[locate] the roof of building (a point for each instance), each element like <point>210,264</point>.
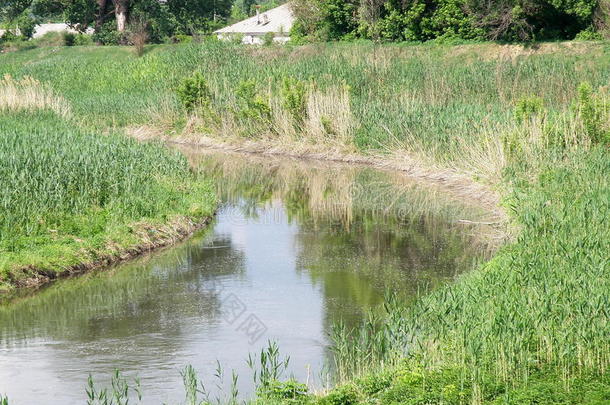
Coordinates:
<point>279,19</point>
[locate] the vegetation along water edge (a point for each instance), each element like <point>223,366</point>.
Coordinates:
<point>529,122</point>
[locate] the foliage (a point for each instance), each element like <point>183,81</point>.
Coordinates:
<point>589,34</point>
<point>528,107</point>
<point>268,366</point>
<point>513,20</point>
<point>164,19</point>
<point>594,112</point>
<point>344,395</point>
<point>268,39</point>
<point>26,24</point>
<point>119,393</point>
<point>69,38</point>
<point>194,92</point>
<point>107,34</point>
<point>79,193</point>
<point>283,390</point>
<point>294,96</point>
<point>538,308</point>
<point>253,105</point>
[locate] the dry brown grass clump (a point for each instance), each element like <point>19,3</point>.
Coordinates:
<point>28,94</point>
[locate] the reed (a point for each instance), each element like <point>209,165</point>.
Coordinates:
<point>65,189</point>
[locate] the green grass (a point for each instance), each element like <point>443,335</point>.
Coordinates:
<point>73,196</point>
<point>530,326</point>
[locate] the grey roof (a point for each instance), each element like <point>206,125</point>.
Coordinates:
<point>279,19</point>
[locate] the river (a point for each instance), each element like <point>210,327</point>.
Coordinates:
<point>296,246</point>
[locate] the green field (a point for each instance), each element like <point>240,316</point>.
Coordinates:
<point>533,123</point>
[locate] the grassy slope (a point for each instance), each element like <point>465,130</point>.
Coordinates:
<point>73,198</point>
<point>538,311</point>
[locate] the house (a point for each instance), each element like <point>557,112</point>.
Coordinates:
<point>276,22</point>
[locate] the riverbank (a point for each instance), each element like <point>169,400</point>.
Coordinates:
<point>76,200</point>
<point>528,123</point>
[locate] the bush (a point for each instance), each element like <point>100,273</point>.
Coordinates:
<point>528,107</point>
<point>290,389</point>
<point>268,39</point>
<point>9,36</point>
<point>182,39</point>
<point>69,38</point>
<point>294,97</point>
<point>253,106</point>
<point>194,92</point>
<point>345,395</point>
<point>108,35</point>
<point>27,25</point>
<point>138,36</point>
<point>589,34</point>
<point>593,111</point>
<point>51,39</point>
<point>82,40</point>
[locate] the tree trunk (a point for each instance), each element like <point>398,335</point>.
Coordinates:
<point>121,8</point>
<point>101,13</point>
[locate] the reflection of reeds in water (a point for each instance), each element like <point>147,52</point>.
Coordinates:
<point>315,191</point>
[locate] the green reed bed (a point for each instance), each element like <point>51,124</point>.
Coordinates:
<point>72,196</point>
<point>535,314</point>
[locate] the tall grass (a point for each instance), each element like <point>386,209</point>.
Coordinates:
<point>540,304</point>
<point>65,191</point>
<point>28,94</point>
<point>447,105</point>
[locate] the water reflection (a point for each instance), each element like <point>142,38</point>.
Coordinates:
<point>297,245</point>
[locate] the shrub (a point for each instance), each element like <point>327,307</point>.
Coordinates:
<point>345,395</point>
<point>8,36</point>
<point>589,34</point>
<point>138,36</point>
<point>593,110</point>
<point>108,35</point>
<point>294,97</point>
<point>252,105</point>
<point>528,108</point>
<point>375,383</point>
<point>82,39</point>
<point>268,39</point>
<point>51,39</point>
<point>27,25</point>
<point>69,38</point>
<point>194,92</point>
<point>182,39</point>
<point>290,389</point>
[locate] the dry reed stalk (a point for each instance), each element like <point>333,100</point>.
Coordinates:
<point>29,94</point>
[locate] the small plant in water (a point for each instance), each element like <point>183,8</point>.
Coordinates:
<point>119,393</point>
<point>269,366</point>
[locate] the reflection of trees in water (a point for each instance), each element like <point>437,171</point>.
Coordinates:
<point>362,230</point>
<point>355,268</point>
<point>130,300</point>
<point>314,191</point>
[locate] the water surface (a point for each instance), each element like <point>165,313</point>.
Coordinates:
<point>296,247</point>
